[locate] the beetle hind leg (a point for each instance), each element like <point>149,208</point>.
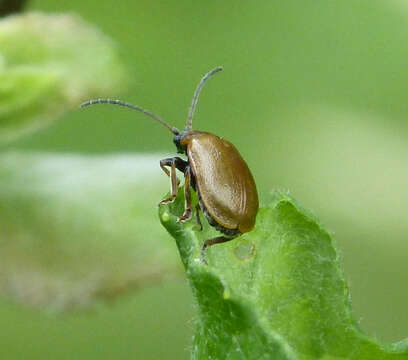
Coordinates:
<point>214,241</point>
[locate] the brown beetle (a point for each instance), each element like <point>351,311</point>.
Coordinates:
<point>214,169</point>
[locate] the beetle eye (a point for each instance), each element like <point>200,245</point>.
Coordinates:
<point>177,140</point>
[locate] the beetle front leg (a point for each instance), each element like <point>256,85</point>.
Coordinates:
<point>188,212</point>
<point>174,163</point>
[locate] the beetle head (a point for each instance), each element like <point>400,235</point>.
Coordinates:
<point>181,149</point>
<point>177,141</point>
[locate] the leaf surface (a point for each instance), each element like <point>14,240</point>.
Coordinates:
<point>277,292</point>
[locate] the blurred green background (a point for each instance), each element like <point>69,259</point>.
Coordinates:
<point>314,94</point>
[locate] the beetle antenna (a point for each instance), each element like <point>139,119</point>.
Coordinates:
<point>174,130</point>
<point>197,94</point>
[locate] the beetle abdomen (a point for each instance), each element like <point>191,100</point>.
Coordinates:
<point>223,180</point>
<point>214,223</point>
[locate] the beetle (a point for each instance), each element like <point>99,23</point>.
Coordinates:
<point>216,171</point>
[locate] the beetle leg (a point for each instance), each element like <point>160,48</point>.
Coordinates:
<point>173,163</point>
<point>198,209</point>
<point>174,185</point>
<point>188,212</point>
<point>178,162</point>
<point>213,241</point>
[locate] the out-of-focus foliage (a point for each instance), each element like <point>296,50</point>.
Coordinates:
<point>11,6</point>
<point>75,229</point>
<point>46,69</point>
<point>277,292</point>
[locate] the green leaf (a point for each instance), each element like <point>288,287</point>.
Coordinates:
<point>75,229</point>
<point>277,292</point>
<point>49,64</point>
